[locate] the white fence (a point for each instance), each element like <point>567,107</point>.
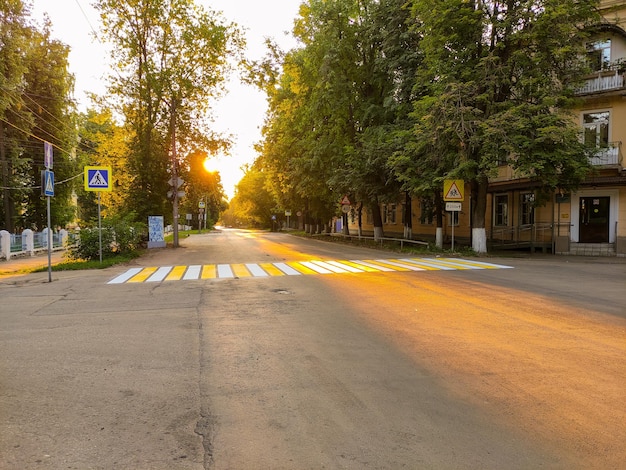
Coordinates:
<point>28,242</point>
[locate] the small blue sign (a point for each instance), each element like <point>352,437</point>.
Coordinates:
<point>48,183</point>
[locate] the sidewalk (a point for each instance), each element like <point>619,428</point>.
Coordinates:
<point>24,264</point>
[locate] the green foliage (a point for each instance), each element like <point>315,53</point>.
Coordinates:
<point>337,104</point>
<point>253,204</point>
<point>80,264</point>
<point>35,105</point>
<point>497,81</point>
<point>120,236</point>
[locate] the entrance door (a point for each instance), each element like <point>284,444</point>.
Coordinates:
<point>594,219</point>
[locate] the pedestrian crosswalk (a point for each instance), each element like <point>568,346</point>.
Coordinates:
<point>295,268</point>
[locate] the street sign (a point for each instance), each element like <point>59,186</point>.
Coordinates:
<point>98,178</point>
<point>345,208</point>
<point>454,206</point>
<point>47,183</point>
<point>201,205</point>
<point>179,182</point>
<point>453,190</point>
<point>345,201</point>
<point>47,155</point>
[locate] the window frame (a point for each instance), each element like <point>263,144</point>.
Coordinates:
<point>501,218</point>
<point>596,125</point>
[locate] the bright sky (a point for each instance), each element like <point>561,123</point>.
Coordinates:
<point>240,113</point>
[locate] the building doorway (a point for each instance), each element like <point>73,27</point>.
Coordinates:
<point>594,219</point>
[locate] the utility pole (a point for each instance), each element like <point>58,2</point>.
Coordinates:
<point>174,170</point>
<point>4,182</point>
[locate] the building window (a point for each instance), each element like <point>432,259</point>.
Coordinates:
<point>596,127</point>
<point>427,211</point>
<point>369,217</point>
<point>599,54</point>
<point>389,213</point>
<point>527,208</point>
<point>501,210</point>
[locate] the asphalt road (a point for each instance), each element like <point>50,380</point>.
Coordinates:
<point>517,368</point>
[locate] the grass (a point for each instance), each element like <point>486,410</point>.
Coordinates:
<point>77,265</point>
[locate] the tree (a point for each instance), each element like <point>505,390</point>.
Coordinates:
<point>171,60</point>
<point>35,106</point>
<point>340,98</point>
<point>253,204</point>
<point>202,186</point>
<point>500,76</point>
<point>103,141</point>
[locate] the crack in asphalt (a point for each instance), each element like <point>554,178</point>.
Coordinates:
<point>205,426</point>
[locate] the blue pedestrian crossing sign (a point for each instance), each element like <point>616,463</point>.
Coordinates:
<point>97,178</point>
<point>47,183</point>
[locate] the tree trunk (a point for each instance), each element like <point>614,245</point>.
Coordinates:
<point>408,216</point>
<point>479,209</point>
<point>345,229</point>
<point>378,221</point>
<point>360,219</point>
<point>439,218</point>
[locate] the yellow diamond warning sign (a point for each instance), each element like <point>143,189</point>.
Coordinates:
<point>453,190</point>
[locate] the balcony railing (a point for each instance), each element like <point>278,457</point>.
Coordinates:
<point>610,155</point>
<point>605,80</point>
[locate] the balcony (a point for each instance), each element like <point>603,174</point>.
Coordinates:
<point>611,155</point>
<point>603,81</point>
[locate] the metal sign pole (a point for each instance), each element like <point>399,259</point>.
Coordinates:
<point>49,243</point>
<point>452,213</point>
<point>99,228</point>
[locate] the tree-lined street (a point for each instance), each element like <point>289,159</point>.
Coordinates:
<point>494,368</point>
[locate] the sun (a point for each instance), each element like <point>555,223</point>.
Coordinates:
<point>210,166</point>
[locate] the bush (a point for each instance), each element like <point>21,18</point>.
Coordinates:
<point>120,236</point>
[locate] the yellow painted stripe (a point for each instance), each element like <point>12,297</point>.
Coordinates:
<point>301,268</point>
<point>208,272</point>
<point>176,274</point>
<point>270,269</point>
<point>240,270</point>
<point>144,274</point>
<point>391,266</point>
<point>368,269</point>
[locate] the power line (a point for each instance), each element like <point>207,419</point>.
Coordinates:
<point>95,33</point>
<point>26,188</point>
<point>33,135</point>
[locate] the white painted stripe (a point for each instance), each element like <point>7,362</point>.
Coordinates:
<point>193,273</point>
<point>256,270</point>
<point>431,263</point>
<point>160,274</point>
<point>352,269</point>
<point>459,263</point>
<point>412,267</point>
<point>224,271</point>
<point>288,270</point>
<point>487,265</point>
<point>315,267</point>
<point>330,267</point>
<point>122,278</point>
<point>372,265</point>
